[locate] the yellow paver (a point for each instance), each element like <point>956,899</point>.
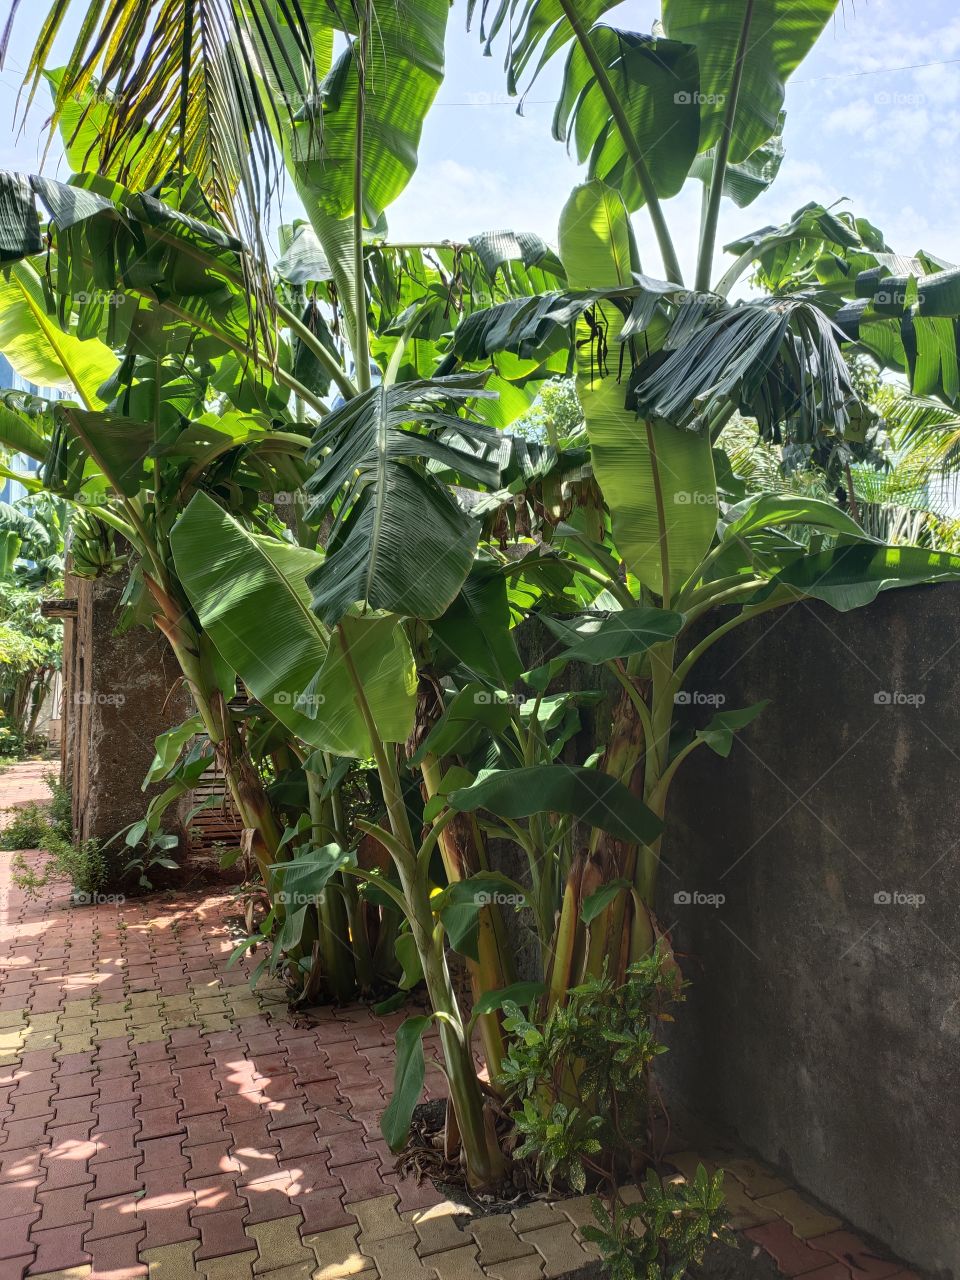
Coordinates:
<point>43,1021</point>
<point>112,1009</point>
<point>558,1248</point>
<point>238,1266</point>
<point>337,1254</point>
<point>580,1212</point>
<point>397,1256</point>
<point>279,1244</point>
<point>74,1044</point>
<point>379,1219</point>
<point>148,1034</point>
<point>803,1215</point>
<point>437,1229</point>
<point>456,1264</point>
<point>111,1029</point>
<point>498,1241</point>
<point>304,1271</point>
<point>538,1214</point>
<point>742,1209</point>
<point>171,1261</point>
<point>530,1268</point>
<point>755,1176</point>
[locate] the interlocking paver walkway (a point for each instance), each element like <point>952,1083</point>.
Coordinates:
<point>160,1119</point>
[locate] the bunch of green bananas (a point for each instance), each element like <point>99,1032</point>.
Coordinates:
<point>93,546</point>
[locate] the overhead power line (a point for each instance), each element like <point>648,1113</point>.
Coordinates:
<point>495,100</point>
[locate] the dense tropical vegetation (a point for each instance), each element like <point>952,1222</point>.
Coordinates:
<point>350,478</point>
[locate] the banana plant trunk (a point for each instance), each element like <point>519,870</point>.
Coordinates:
<point>463,854</point>
<point>194,655</point>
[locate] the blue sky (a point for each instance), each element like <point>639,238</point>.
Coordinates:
<point>883,138</point>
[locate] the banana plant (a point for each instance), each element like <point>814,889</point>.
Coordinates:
<point>661,370</point>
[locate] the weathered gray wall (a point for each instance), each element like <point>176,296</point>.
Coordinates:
<point>823,1023</point>
<point>122,693</point>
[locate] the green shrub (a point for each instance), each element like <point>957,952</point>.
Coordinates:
<point>90,870</point>
<point>61,806</point>
<point>663,1234</point>
<point>579,1079</point>
<point>28,828</point>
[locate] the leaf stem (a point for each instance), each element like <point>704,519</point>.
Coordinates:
<point>317,349</point>
<point>362,353</point>
<point>711,213</point>
<point>671,263</point>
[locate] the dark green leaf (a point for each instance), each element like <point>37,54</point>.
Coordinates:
<point>587,794</point>
<point>408,1079</point>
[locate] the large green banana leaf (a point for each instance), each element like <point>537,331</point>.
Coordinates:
<point>251,597</point>
<point>400,543</point>
<point>851,576</point>
<point>588,794</point>
<point>596,247</point>
<point>38,349</point>
<point>903,309</point>
<point>535,26</point>
<point>20,435</point>
<point>779,35</point>
<point>743,182</point>
<point>402,72</point>
<point>119,446</point>
<point>19,225</point>
<point>656,82</point>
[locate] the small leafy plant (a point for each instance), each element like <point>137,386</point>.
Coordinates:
<point>84,863</point>
<point>665,1232</point>
<point>61,806</point>
<point>151,849</point>
<point>29,827</point>
<point>580,1079</point>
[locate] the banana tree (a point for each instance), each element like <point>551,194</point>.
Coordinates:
<point>661,370</point>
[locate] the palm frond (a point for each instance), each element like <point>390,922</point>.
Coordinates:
<point>924,432</point>
<point>188,86</point>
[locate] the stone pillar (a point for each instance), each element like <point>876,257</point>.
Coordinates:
<point>120,692</point>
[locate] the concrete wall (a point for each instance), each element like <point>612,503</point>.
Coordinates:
<point>823,1019</point>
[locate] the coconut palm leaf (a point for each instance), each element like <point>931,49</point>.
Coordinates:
<point>187,78</point>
